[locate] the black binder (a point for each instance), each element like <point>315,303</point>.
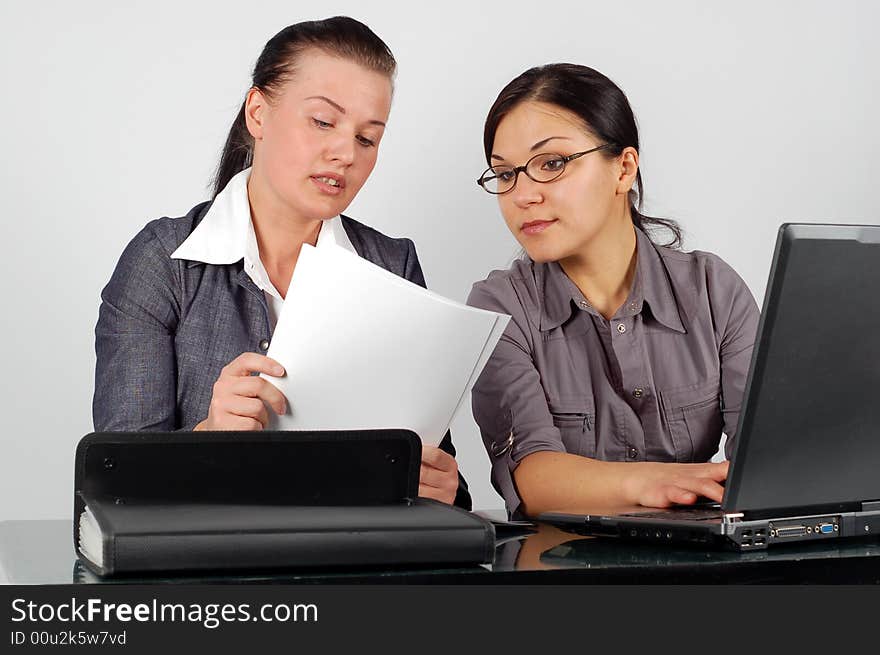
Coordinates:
<point>255,500</point>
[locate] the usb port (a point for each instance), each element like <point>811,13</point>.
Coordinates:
<point>746,542</point>
<point>759,542</point>
<point>747,533</point>
<point>759,533</point>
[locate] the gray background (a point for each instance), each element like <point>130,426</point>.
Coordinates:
<point>114,113</point>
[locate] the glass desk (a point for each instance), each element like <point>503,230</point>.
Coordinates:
<point>41,552</point>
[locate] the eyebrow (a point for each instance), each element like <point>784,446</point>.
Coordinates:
<point>340,108</point>
<point>539,144</point>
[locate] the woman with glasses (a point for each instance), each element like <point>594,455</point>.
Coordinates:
<point>625,360</point>
<point>190,309</point>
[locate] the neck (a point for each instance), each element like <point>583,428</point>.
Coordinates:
<point>280,234</point>
<point>604,268</point>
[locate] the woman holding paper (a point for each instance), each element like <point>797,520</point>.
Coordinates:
<point>191,307</point>
<point>624,360</point>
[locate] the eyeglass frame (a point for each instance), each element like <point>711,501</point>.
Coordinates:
<point>524,168</point>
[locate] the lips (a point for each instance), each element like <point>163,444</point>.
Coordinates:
<point>329,183</point>
<point>536,227</point>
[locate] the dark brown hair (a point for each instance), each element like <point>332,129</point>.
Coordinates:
<point>340,36</point>
<point>602,107</point>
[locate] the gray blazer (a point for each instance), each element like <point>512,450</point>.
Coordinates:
<point>167,326</point>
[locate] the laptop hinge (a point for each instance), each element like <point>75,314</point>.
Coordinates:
<point>732,517</point>
<point>871,506</point>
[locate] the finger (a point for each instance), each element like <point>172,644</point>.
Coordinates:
<point>439,459</point>
<point>246,423</point>
<point>255,387</point>
<point>702,486</point>
<point>436,494</point>
<point>432,477</point>
<point>272,396</point>
<point>717,471</point>
<point>238,423</point>
<point>660,496</point>
<point>680,496</point>
<point>247,363</point>
<point>246,407</point>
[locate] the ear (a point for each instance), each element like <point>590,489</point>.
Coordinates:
<point>629,167</point>
<point>254,110</point>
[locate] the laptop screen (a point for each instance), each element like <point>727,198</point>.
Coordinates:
<point>809,429</point>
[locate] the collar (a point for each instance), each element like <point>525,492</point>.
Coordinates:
<point>555,294</point>
<point>650,285</point>
<point>226,234</point>
<point>655,284</point>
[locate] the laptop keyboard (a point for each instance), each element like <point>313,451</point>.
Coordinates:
<point>681,513</point>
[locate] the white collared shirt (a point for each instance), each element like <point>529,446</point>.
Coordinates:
<point>226,235</point>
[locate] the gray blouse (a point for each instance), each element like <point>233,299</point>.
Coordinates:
<point>658,382</point>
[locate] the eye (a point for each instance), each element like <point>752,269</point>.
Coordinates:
<point>321,124</point>
<point>365,142</point>
<point>553,165</point>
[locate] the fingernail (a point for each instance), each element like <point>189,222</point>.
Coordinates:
<point>278,370</point>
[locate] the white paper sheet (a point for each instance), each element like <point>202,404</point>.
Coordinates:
<point>363,348</point>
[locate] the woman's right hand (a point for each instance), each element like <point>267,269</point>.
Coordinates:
<point>240,399</point>
<point>658,484</point>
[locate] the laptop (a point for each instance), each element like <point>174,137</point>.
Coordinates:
<point>806,460</point>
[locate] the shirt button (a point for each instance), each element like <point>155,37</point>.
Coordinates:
<point>638,392</point>
<point>584,304</point>
<point>264,344</point>
<point>632,453</point>
<point>621,328</point>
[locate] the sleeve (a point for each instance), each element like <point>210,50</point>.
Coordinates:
<point>135,373</point>
<point>736,315</point>
<point>508,399</point>
<point>413,273</point>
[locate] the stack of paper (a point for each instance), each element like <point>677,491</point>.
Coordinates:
<point>363,348</point>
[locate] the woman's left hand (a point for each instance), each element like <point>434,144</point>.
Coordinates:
<point>438,476</point>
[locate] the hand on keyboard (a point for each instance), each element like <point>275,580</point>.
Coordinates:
<point>657,484</point>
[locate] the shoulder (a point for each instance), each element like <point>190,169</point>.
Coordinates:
<point>702,269</point>
<point>374,242</point>
<point>145,264</point>
<point>513,290</point>
<point>395,254</point>
<point>703,279</point>
<point>162,236</point>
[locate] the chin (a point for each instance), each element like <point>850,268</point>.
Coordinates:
<point>324,211</point>
<point>543,254</point>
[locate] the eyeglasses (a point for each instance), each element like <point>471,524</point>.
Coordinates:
<point>543,167</point>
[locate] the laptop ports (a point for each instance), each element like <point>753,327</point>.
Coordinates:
<point>789,531</point>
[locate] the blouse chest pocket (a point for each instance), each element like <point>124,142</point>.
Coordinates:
<point>575,420</point>
<point>693,415</point>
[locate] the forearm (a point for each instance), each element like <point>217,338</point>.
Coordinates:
<point>553,481</point>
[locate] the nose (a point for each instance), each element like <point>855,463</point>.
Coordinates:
<point>526,192</point>
<point>341,149</point>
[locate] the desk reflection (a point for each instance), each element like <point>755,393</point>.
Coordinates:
<point>41,552</point>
